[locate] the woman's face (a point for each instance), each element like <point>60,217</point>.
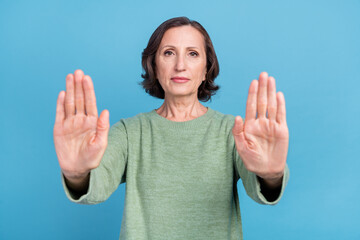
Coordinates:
<point>181,61</point>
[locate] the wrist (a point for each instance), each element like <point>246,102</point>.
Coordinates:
<point>271,183</point>
<point>78,183</point>
<point>76,176</point>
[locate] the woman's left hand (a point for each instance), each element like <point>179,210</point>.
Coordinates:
<point>262,141</point>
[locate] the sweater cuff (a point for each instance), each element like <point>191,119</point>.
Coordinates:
<point>262,198</point>
<point>75,197</point>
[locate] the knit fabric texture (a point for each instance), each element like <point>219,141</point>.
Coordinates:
<point>181,177</point>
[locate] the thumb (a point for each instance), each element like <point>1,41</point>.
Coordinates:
<point>238,128</point>
<point>102,128</point>
<point>238,132</point>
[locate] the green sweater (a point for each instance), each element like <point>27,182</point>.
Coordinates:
<point>181,177</point>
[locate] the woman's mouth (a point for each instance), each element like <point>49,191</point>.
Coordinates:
<point>180,79</point>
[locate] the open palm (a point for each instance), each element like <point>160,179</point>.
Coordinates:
<point>262,140</point>
<point>80,136</point>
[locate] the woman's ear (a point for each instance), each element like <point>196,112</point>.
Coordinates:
<point>205,76</point>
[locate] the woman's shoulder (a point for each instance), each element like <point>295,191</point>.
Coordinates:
<point>224,117</point>
<point>139,118</point>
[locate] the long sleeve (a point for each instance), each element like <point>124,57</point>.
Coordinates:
<point>251,182</point>
<point>105,179</point>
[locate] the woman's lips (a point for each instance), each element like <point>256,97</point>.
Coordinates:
<point>180,79</point>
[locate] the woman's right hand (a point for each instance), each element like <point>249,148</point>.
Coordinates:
<point>80,137</point>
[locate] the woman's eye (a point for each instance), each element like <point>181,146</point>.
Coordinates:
<point>168,53</point>
<point>194,54</point>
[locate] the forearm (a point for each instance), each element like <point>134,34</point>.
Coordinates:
<point>270,188</point>
<point>78,185</point>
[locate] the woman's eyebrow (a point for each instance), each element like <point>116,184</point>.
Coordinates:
<point>171,46</point>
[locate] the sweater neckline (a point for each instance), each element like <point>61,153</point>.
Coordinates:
<point>185,124</point>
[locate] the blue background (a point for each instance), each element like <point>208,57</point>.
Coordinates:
<point>310,47</point>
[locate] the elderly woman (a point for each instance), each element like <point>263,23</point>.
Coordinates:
<point>182,161</point>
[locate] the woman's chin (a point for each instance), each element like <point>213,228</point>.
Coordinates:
<point>179,94</point>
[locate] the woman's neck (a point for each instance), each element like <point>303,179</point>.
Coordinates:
<point>180,110</point>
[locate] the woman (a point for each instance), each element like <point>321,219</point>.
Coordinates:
<point>182,161</point>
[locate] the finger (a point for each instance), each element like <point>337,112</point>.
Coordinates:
<point>79,92</point>
<point>102,129</point>
<point>69,96</point>
<point>251,101</point>
<point>60,109</point>
<point>281,110</point>
<point>90,99</point>
<point>272,103</point>
<point>262,95</point>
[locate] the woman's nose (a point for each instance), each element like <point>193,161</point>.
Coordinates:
<point>180,63</point>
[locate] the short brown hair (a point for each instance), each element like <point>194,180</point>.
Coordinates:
<point>152,86</point>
